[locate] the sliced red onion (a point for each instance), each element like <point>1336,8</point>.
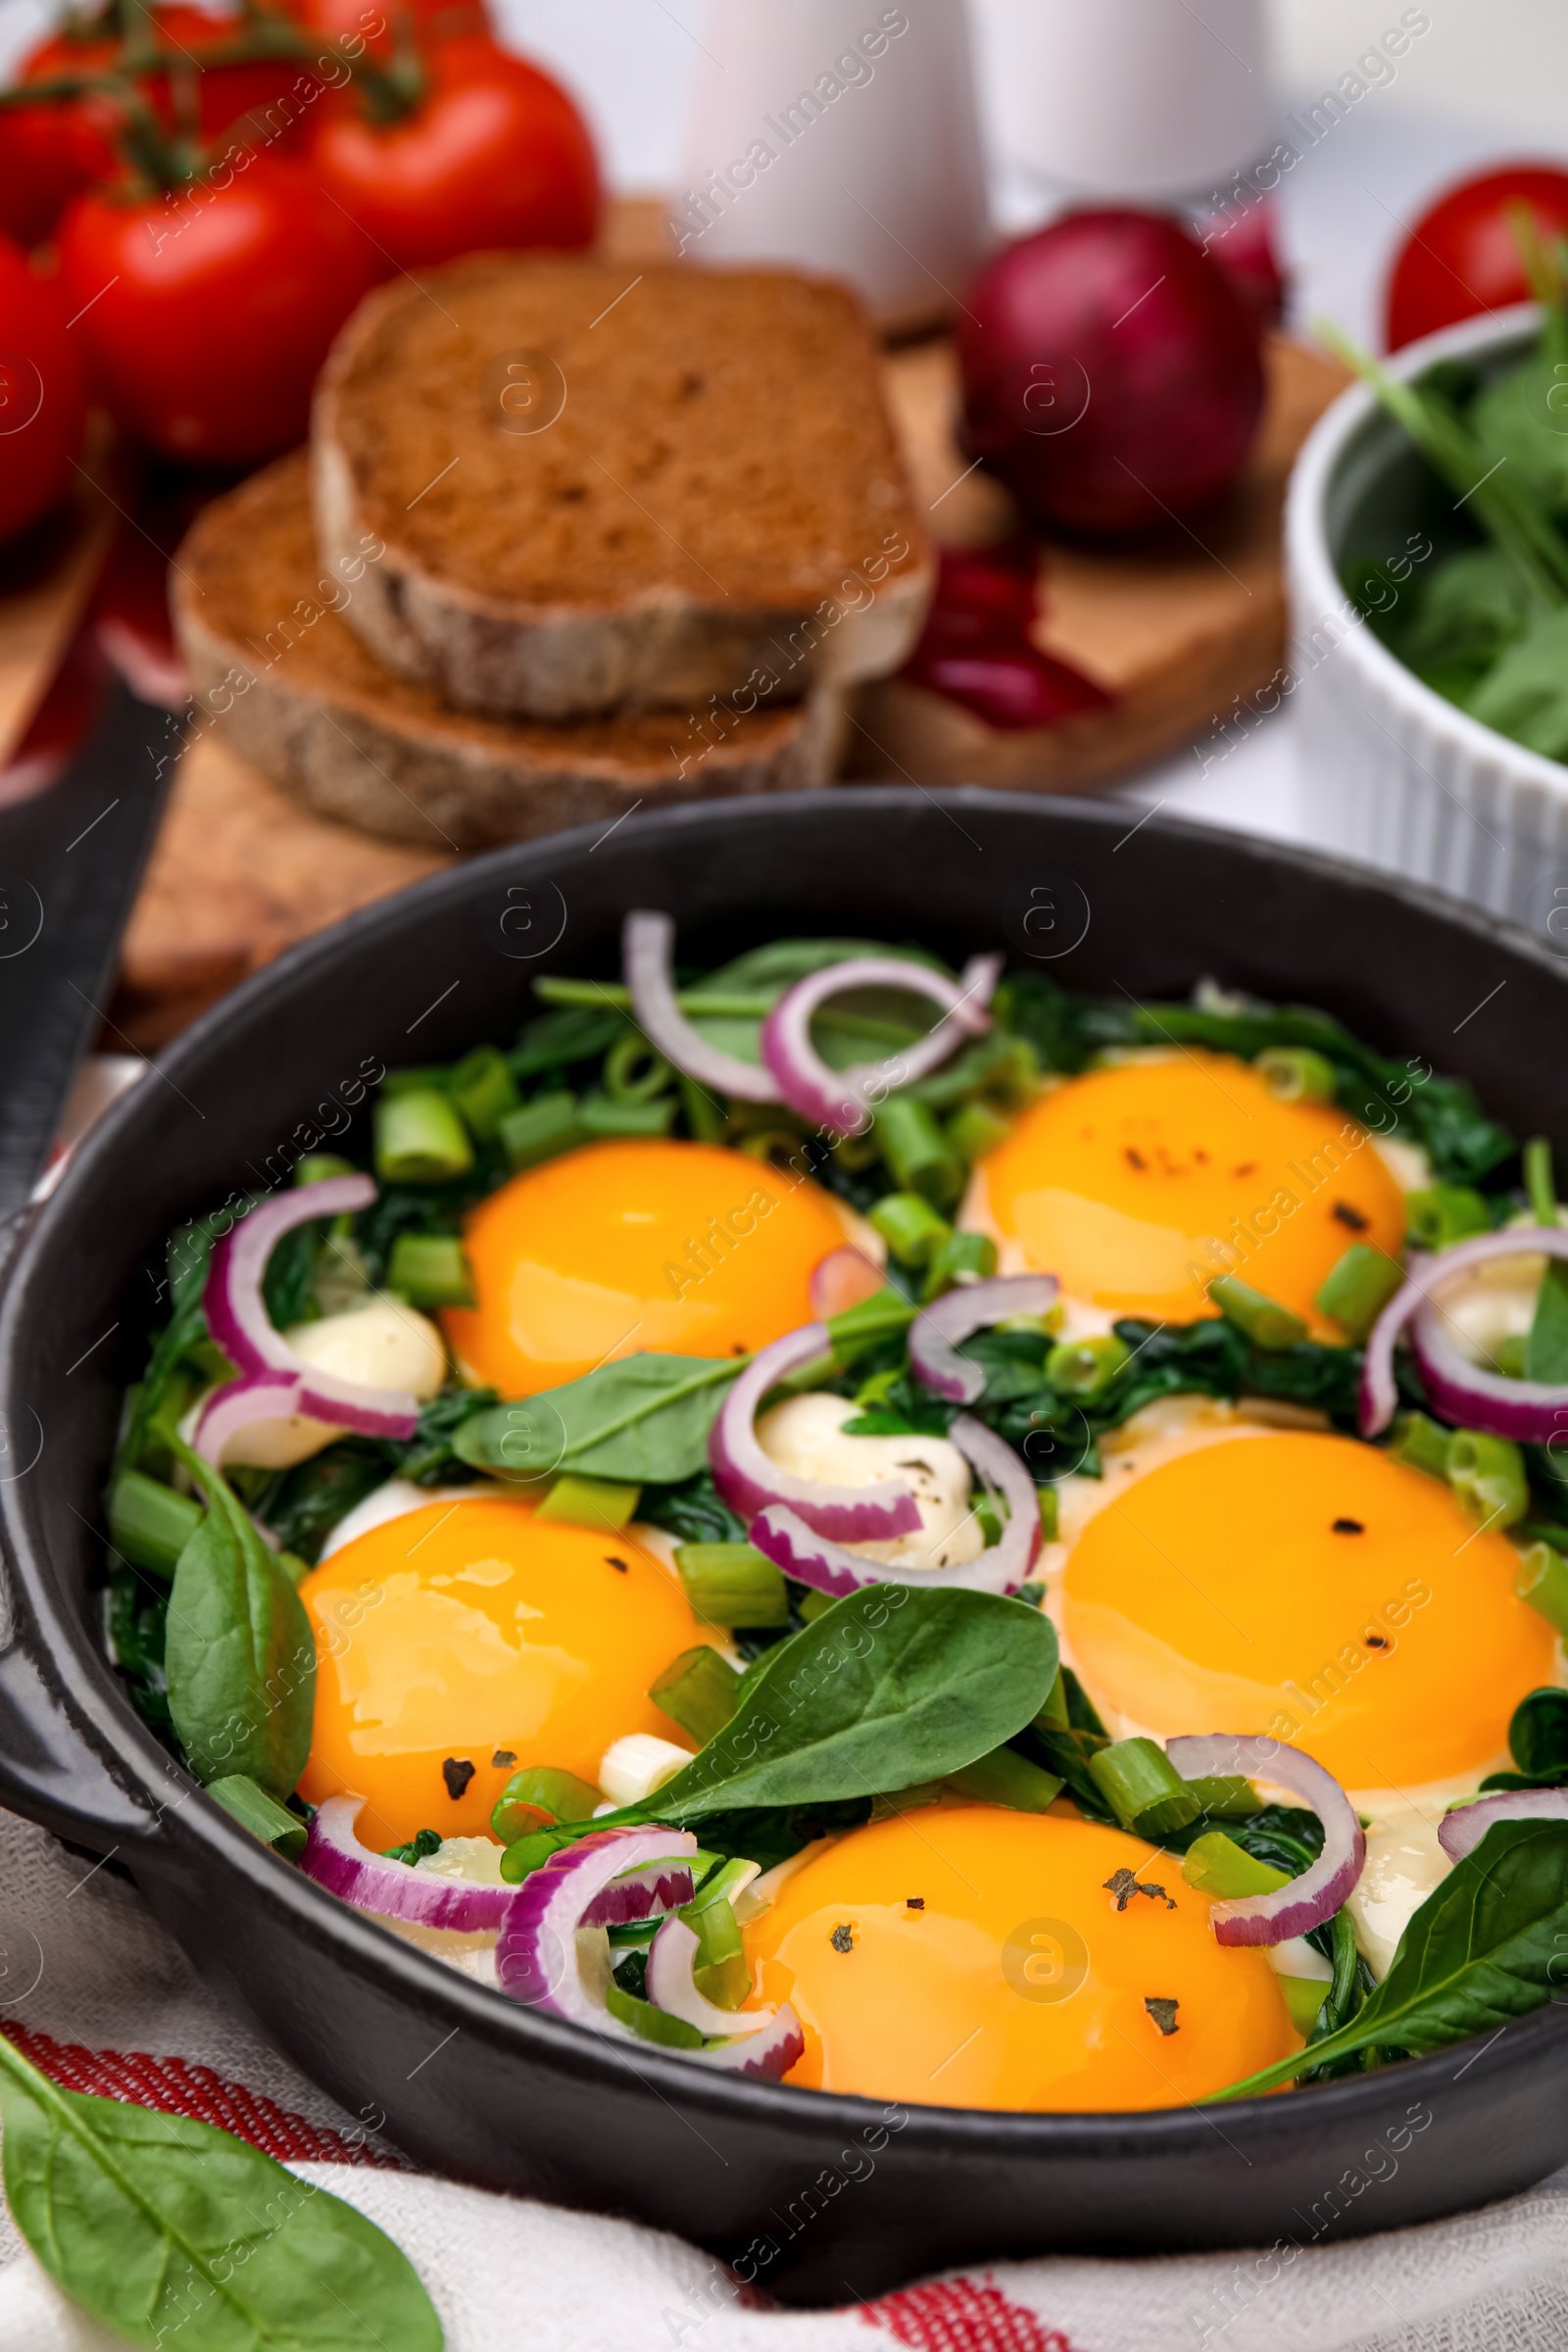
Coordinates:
<point>537,1958</point>
<point>749,1482</point>
<point>936,1332</point>
<point>783,1535</point>
<point>255,1396</point>
<point>641,1893</point>
<point>766,2056</point>
<point>647,946</point>
<point>1529,1410</point>
<point>1464,1828</point>
<point>672,1985</point>
<point>842,1280</point>
<point>238,1321</point>
<point>336,1860</point>
<point>1305,1902</point>
<point>837,1100</point>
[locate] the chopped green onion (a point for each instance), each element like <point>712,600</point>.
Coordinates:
<point>1005,1778</point>
<point>649,2023</point>
<point>718,1964</point>
<point>1216,1864</point>
<point>316,1167</point>
<point>419,1139</point>
<point>988,1519</point>
<point>430,1269</point>
<point>433,1077</point>
<point>812,1604</point>
<point>1053,1716</point>
<point>732,1585</point>
<point>537,1797</point>
<point>596,1503</point>
<point>1304,1997</point>
<point>601,1116</point>
<point>265,1818</point>
<point>1421,1442</point>
<point>700,1691</point>
<point>633,1071</point>
<point>542,1130</point>
<point>1543,1581</point>
<point>484,1091</point>
<point>1266,1324</point>
<point>1358,1287</point>
<point>975,1130</point>
<point>703,1116</point>
<point>916,1152</point>
<point>961,1256</point>
<point>1086,1368</point>
<point>1227,1794</point>
<point>1142,1787</point>
<point>527,1853</point>
<point>1540,1183</point>
<point>1445,1213</point>
<point>1049,1502</point>
<point>149,1523</point>
<point>909,1226</point>
<point>1487,1477</point>
<point>1295,1074</point>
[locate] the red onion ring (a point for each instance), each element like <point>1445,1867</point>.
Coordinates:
<point>1461,1392</point>
<point>646,948</point>
<point>239,1323</point>
<point>672,1985</point>
<point>749,1482</point>
<point>785,1539</point>
<point>836,1100</point>
<point>239,1405</point>
<point>336,1860</point>
<point>936,1332</point>
<point>1462,1829</point>
<point>641,1893</point>
<point>842,1280</point>
<point>537,1960</point>
<point>766,2056</point>
<point>1306,1902</point>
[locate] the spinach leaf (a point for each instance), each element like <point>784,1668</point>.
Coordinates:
<point>152,2222</point>
<point>692,1511</point>
<point>139,1611</point>
<point>570,1034</point>
<point>162,1396</point>
<point>1481,1950</point>
<point>864,1025</point>
<point>238,1654</point>
<point>1066,1030</point>
<point>1525,692</point>
<point>1460,620</point>
<point>428,1456</point>
<point>1546,1349</point>
<point>892,1685</point>
<point>643,1419</point>
<point>1538,1740</point>
<point>1514,420</point>
<point>303,1504</point>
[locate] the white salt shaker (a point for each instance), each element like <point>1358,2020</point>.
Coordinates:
<point>841,137</point>
<point>1128,99</point>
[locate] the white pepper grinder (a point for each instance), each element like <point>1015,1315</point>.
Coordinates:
<point>840,136</point>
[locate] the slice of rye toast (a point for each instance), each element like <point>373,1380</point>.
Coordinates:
<point>708,491</point>
<point>278,672</point>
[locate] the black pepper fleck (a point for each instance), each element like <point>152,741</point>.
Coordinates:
<point>1348,1215</point>
<point>843,1937</point>
<point>612,1561</point>
<point>1134,1158</point>
<point>457,1772</point>
<point>503,1756</point>
<point>1124,1885</point>
<point>1349,1527</point>
<point>1163,2011</point>
<point>914,1903</point>
<point>1376,1641</point>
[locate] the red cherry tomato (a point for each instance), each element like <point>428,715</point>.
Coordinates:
<point>205,318</point>
<point>43,404</point>
<point>428,20</point>
<point>494,154</point>
<point>1463,256</point>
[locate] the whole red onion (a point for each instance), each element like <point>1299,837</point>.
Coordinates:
<point>1113,374</point>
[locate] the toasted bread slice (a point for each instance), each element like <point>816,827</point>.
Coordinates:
<point>605,490</point>
<point>279,673</point>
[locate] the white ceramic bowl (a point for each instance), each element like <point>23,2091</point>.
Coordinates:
<point>1392,774</point>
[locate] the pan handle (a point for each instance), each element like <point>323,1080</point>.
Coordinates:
<point>52,1771</point>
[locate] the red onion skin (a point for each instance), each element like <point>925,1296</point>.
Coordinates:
<point>749,1482</point>
<point>335,1859</point>
<point>238,1404</point>
<point>1313,1897</point>
<point>1460,1831</point>
<point>1118,320</point>
<point>1462,1393</point>
<point>938,1330</point>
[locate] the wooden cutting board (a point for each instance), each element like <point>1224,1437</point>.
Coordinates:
<point>1175,631</point>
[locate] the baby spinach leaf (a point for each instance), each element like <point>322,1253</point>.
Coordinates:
<point>157,2224</point>
<point>1538,1739</point>
<point>862,1025</point>
<point>643,1419</point>
<point>889,1687</point>
<point>1546,1349</point>
<point>1525,692</point>
<point>1514,419</point>
<point>1481,1950</point>
<point>238,1653</point>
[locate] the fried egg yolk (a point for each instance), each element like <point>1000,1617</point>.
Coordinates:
<point>1135,1185</point>
<point>457,1643</point>
<point>680,1249</point>
<point>967,1956</point>
<point>1306,1586</point>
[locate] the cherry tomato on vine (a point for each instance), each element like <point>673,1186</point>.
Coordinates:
<point>1462,256</point>
<point>43,402</point>
<point>378,22</point>
<point>206,315</point>
<point>494,153</point>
